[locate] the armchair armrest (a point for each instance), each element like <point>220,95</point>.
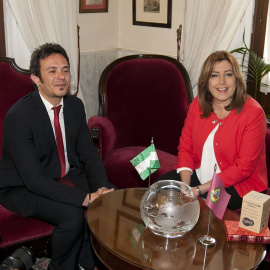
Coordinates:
<point>95,137</point>
<point>107,134</point>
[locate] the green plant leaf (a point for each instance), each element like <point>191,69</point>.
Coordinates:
<point>253,65</point>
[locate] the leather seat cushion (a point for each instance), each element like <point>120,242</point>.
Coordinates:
<point>127,176</point>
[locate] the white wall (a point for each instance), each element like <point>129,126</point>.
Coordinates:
<point>150,39</point>
<point>115,29</point>
<point>99,31</point>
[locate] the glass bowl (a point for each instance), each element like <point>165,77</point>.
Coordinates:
<point>169,208</point>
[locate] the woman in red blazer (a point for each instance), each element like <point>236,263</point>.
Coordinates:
<point>224,127</point>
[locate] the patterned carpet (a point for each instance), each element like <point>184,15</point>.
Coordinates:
<point>41,264</point>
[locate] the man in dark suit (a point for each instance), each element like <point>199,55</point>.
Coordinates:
<point>31,173</point>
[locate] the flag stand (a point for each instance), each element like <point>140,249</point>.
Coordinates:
<point>204,259</point>
<point>146,162</point>
<point>149,178</point>
<point>207,240</point>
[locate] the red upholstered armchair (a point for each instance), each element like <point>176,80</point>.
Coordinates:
<point>15,230</point>
<point>140,97</point>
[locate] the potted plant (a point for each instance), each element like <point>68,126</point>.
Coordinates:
<point>253,66</point>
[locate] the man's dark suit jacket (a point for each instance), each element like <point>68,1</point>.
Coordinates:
<point>30,157</point>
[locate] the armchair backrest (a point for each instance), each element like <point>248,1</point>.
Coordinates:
<point>14,84</point>
<point>146,96</point>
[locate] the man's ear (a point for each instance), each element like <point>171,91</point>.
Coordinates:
<point>35,79</point>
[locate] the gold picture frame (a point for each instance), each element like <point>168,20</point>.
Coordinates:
<point>93,6</point>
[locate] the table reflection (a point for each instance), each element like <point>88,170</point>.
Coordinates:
<point>166,253</point>
<point>183,252</point>
<point>122,241</point>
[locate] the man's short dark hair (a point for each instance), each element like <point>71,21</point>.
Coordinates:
<point>42,52</point>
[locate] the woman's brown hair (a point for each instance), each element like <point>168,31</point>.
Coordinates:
<point>205,96</point>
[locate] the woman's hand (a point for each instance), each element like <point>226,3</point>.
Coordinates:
<point>203,188</point>
<point>195,191</point>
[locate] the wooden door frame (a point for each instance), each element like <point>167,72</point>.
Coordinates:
<point>257,45</point>
<point>259,26</point>
<point>2,31</point>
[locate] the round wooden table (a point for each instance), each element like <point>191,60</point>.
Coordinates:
<point>121,240</point>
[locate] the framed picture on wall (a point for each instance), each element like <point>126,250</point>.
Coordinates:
<point>155,13</point>
<point>93,6</point>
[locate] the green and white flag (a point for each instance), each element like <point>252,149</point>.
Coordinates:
<point>146,162</point>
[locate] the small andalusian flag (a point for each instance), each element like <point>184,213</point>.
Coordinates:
<point>146,162</point>
<point>217,197</point>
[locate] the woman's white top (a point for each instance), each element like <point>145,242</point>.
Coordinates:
<point>208,161</point>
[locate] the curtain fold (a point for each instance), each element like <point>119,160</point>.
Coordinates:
<point>41,21</point>
<point>209,25</point>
